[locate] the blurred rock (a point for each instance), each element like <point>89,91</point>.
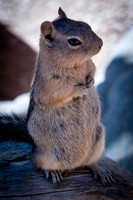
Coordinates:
<point>17,62</point>
<point>116,94</point>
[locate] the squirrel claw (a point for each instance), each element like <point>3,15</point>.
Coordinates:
<point>46,172</point>
<point>105,175</point>
<point>89,81</point>
<point>55,176</point>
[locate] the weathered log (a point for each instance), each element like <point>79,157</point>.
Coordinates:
<point>20,180</point>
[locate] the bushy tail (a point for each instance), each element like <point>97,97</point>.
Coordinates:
<point>13,128</point>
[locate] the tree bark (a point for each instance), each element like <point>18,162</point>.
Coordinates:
<point>20,180</point>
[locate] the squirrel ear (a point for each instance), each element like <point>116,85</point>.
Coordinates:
<point>47,30</point>
<point>61,13</point>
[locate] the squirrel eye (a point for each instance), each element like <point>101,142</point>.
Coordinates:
<point>74,42</point>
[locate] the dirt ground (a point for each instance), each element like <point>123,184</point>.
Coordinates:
<point>109,19</point>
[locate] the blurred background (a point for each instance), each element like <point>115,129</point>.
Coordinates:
<point>111,20</point>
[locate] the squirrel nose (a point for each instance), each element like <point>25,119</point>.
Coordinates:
<point>100,43</point>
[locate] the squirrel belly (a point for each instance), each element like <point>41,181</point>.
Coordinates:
<point>67,137</point>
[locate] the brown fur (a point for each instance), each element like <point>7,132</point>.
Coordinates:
<point>65,120</point>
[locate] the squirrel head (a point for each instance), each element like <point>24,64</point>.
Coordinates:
<point>73,41</point>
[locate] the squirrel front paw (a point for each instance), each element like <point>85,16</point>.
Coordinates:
<point>89,81</point>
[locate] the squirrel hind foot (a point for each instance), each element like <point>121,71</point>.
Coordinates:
<point>55,176</point>
<point>104,174</point>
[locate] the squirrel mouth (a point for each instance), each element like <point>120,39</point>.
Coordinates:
<point>96,50</point>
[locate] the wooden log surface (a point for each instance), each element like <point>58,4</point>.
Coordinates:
<point>20,180</point>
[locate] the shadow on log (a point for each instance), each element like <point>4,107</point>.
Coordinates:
<point>20,180</point>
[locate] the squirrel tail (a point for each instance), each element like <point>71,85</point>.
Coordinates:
<point>13,127</point>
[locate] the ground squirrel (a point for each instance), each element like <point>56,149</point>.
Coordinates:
<point>64,112</point>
